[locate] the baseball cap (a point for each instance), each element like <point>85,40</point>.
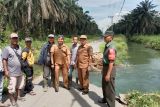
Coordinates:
<point>61,36</point>
<point>108,33</point>
<point>83,37</point>
<point>50,36</point>
<point>14,35</point>
<point>28,39</point>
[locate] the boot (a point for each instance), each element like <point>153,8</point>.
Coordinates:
<point>56,86</point>
<point>70,81</point>
<point>77,80</point>
<point>45,85</point>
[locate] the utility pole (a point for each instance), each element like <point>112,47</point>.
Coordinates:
<point>111,17</point>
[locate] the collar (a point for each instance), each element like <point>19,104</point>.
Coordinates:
<point>17,47</point>
<point>108,44</point>
<point>75,45</point>
<point>84,45</point>
<point>62,46</point>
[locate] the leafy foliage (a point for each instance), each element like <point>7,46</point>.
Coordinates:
<point>141,20</point>
<point>41,17</point>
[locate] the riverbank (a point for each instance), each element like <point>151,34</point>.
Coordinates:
<point>141,99</point>
<point>149,41</point>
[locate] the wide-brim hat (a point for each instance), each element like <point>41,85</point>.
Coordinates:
<point>83,37</point>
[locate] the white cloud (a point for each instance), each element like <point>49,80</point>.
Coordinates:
<point>106,22</point>
<point>97,3</point>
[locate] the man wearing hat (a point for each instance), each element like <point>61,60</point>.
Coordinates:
<point>28,60</point>
<point>60,57</point>
<point>108,73</point>
<point>84,59</point>
<point>12,68</point>
<point>45,60</point>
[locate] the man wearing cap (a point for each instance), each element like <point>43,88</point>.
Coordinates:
<point>12,68</point>
<point>45,60</point>
<point>60,58</point>
<point>84,59</point>
<point>28,60</point>
<point>108,73</point>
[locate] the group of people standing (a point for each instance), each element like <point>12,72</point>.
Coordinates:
<point>56,58</point>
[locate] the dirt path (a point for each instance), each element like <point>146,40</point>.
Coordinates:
<point>63,98</point>
<point>95,45</point>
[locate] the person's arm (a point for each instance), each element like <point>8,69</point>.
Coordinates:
<point>68,56</point>
<point>111,57</point>
<point>5,54</point>
<point>5,67</point>
<point>52,56</point>
<point>90,55</point>
<point>40,59</point>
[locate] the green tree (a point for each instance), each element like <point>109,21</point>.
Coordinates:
<point>142,20</point>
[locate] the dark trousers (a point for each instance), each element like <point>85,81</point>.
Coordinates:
<point>29,76</point>
<point>108,88</point>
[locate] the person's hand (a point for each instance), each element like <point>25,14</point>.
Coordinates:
<point>6,73</point>
<point>52,66</point>
<point>74,66</point>
<point>89,68</point>
<point>107,78</point>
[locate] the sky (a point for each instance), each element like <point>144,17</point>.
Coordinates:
<point>100,10</point>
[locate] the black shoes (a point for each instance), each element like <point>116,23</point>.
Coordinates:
<point>102,100</point>
<point>85,92</point>
<point>77,80</point>
<point>56,88</point>
<point>80,89</point>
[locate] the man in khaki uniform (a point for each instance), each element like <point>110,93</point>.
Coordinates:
<point>84,58</point>
<point>60,59</point>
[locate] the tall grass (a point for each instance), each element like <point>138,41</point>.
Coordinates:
<point>140,99</point>
<point>150,41</point>
<point>120,43</point>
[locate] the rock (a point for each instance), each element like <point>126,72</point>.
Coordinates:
<point>97,62</point>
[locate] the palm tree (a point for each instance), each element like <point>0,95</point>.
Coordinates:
<point>141,20</point>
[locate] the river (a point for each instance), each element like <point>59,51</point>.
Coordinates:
<point>142,71</point>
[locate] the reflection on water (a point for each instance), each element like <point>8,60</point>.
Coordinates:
<point>142,72</point>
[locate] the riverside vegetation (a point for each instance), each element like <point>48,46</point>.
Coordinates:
<point>150,41</point>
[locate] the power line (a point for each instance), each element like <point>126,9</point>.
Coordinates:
<point>122,7</point>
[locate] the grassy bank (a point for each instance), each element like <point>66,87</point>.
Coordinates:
<point>140,99</point>
<point>150,41</point>
<point>122,48</point>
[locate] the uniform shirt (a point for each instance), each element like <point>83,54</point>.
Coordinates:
<point>44,53</point>
<point>74,49</point>
<point>1,67</point>
<point>83,56</point>
<point>14,65</point>
<point>27,54</point>
<point>109,53</point>
<point>60,53</point>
